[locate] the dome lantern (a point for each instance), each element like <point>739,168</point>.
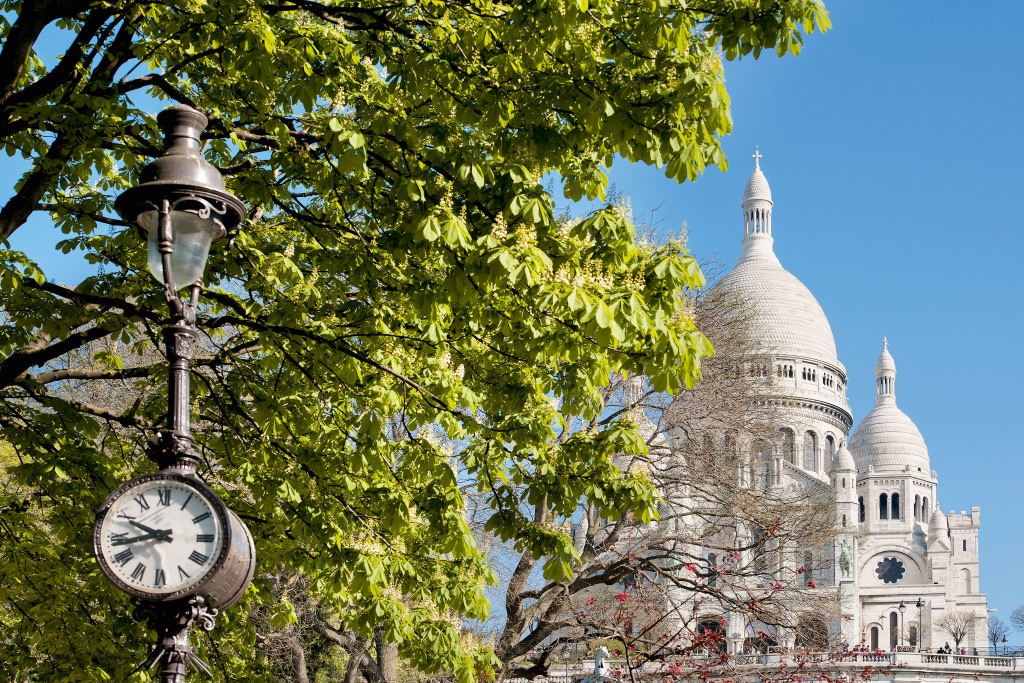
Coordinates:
<point>885,376</point>
<point>757,213</point>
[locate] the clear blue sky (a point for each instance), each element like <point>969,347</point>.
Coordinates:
<point>895,153</point>
<point>894,149</point>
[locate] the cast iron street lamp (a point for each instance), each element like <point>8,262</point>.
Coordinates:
<point>166,538</point>
<point>902,608</point>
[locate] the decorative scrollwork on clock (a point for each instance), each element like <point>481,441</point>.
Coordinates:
<point>890,570</point>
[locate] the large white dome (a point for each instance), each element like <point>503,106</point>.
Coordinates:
<point>784,317</point>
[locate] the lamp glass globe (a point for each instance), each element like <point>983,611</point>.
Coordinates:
<point>191,237</point>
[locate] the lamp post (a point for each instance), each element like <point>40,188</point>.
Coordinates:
<point>902,608</point>
<point>920,625</point>
<point>166,538</point>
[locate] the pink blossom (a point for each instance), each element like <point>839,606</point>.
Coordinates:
<point>692,567</point>
<point>622,597</point>
<point>591,601</point>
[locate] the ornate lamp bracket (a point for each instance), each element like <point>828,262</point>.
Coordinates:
<point>173,621</point>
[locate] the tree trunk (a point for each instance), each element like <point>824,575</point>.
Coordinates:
<point>354,659</point>
<point>298,659</point>
<point>387,658</point>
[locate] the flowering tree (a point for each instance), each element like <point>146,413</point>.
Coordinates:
<point>400,271</point>
<point>649,643</point>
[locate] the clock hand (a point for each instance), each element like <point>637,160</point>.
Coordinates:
<point>161,534</point>
<point>163,537</point>
<point>139,525</point>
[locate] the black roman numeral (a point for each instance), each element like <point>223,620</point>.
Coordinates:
<point>124,515</point>
<point>204,538</point>
<point>186,501</point>
<point>123,556</point>
<point>165,496</point>
<point>159,580</point>
<point>198,557</point>
<point>196,520</point>
<point>182,574</point>
<point>141,500</point>
<point>114,536</point>
<point>139,570</point>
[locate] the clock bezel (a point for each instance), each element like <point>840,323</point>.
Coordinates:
<point>216,504</point>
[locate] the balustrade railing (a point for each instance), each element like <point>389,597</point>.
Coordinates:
<point>575,672</point>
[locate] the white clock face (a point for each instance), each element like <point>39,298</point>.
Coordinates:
<point>161,536</point>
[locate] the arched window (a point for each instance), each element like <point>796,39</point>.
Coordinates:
<point>810,450</point>
<point>917,509</point>
<point>965,581</point>
<point>844,520</point>
<point>912,634</point>
<point>965,545</point>
<point>894,628</point>
<point>883,506</point>
<point>830,447</point>
<point>895,506</point>
<point>861,499</point>
<point>711,632</point>
<point>924,509</point>
<point>809,565</point>
<point>712,569</point>
<point>788,445</point>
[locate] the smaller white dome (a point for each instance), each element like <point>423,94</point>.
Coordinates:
<point>886,438</point>
<point>938,521</point>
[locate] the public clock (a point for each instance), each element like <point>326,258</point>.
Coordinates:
<point>165,536</point>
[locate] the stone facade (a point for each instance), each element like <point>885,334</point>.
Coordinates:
<point>895,545</point>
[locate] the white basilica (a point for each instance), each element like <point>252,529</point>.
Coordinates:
<point>895,547</point>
